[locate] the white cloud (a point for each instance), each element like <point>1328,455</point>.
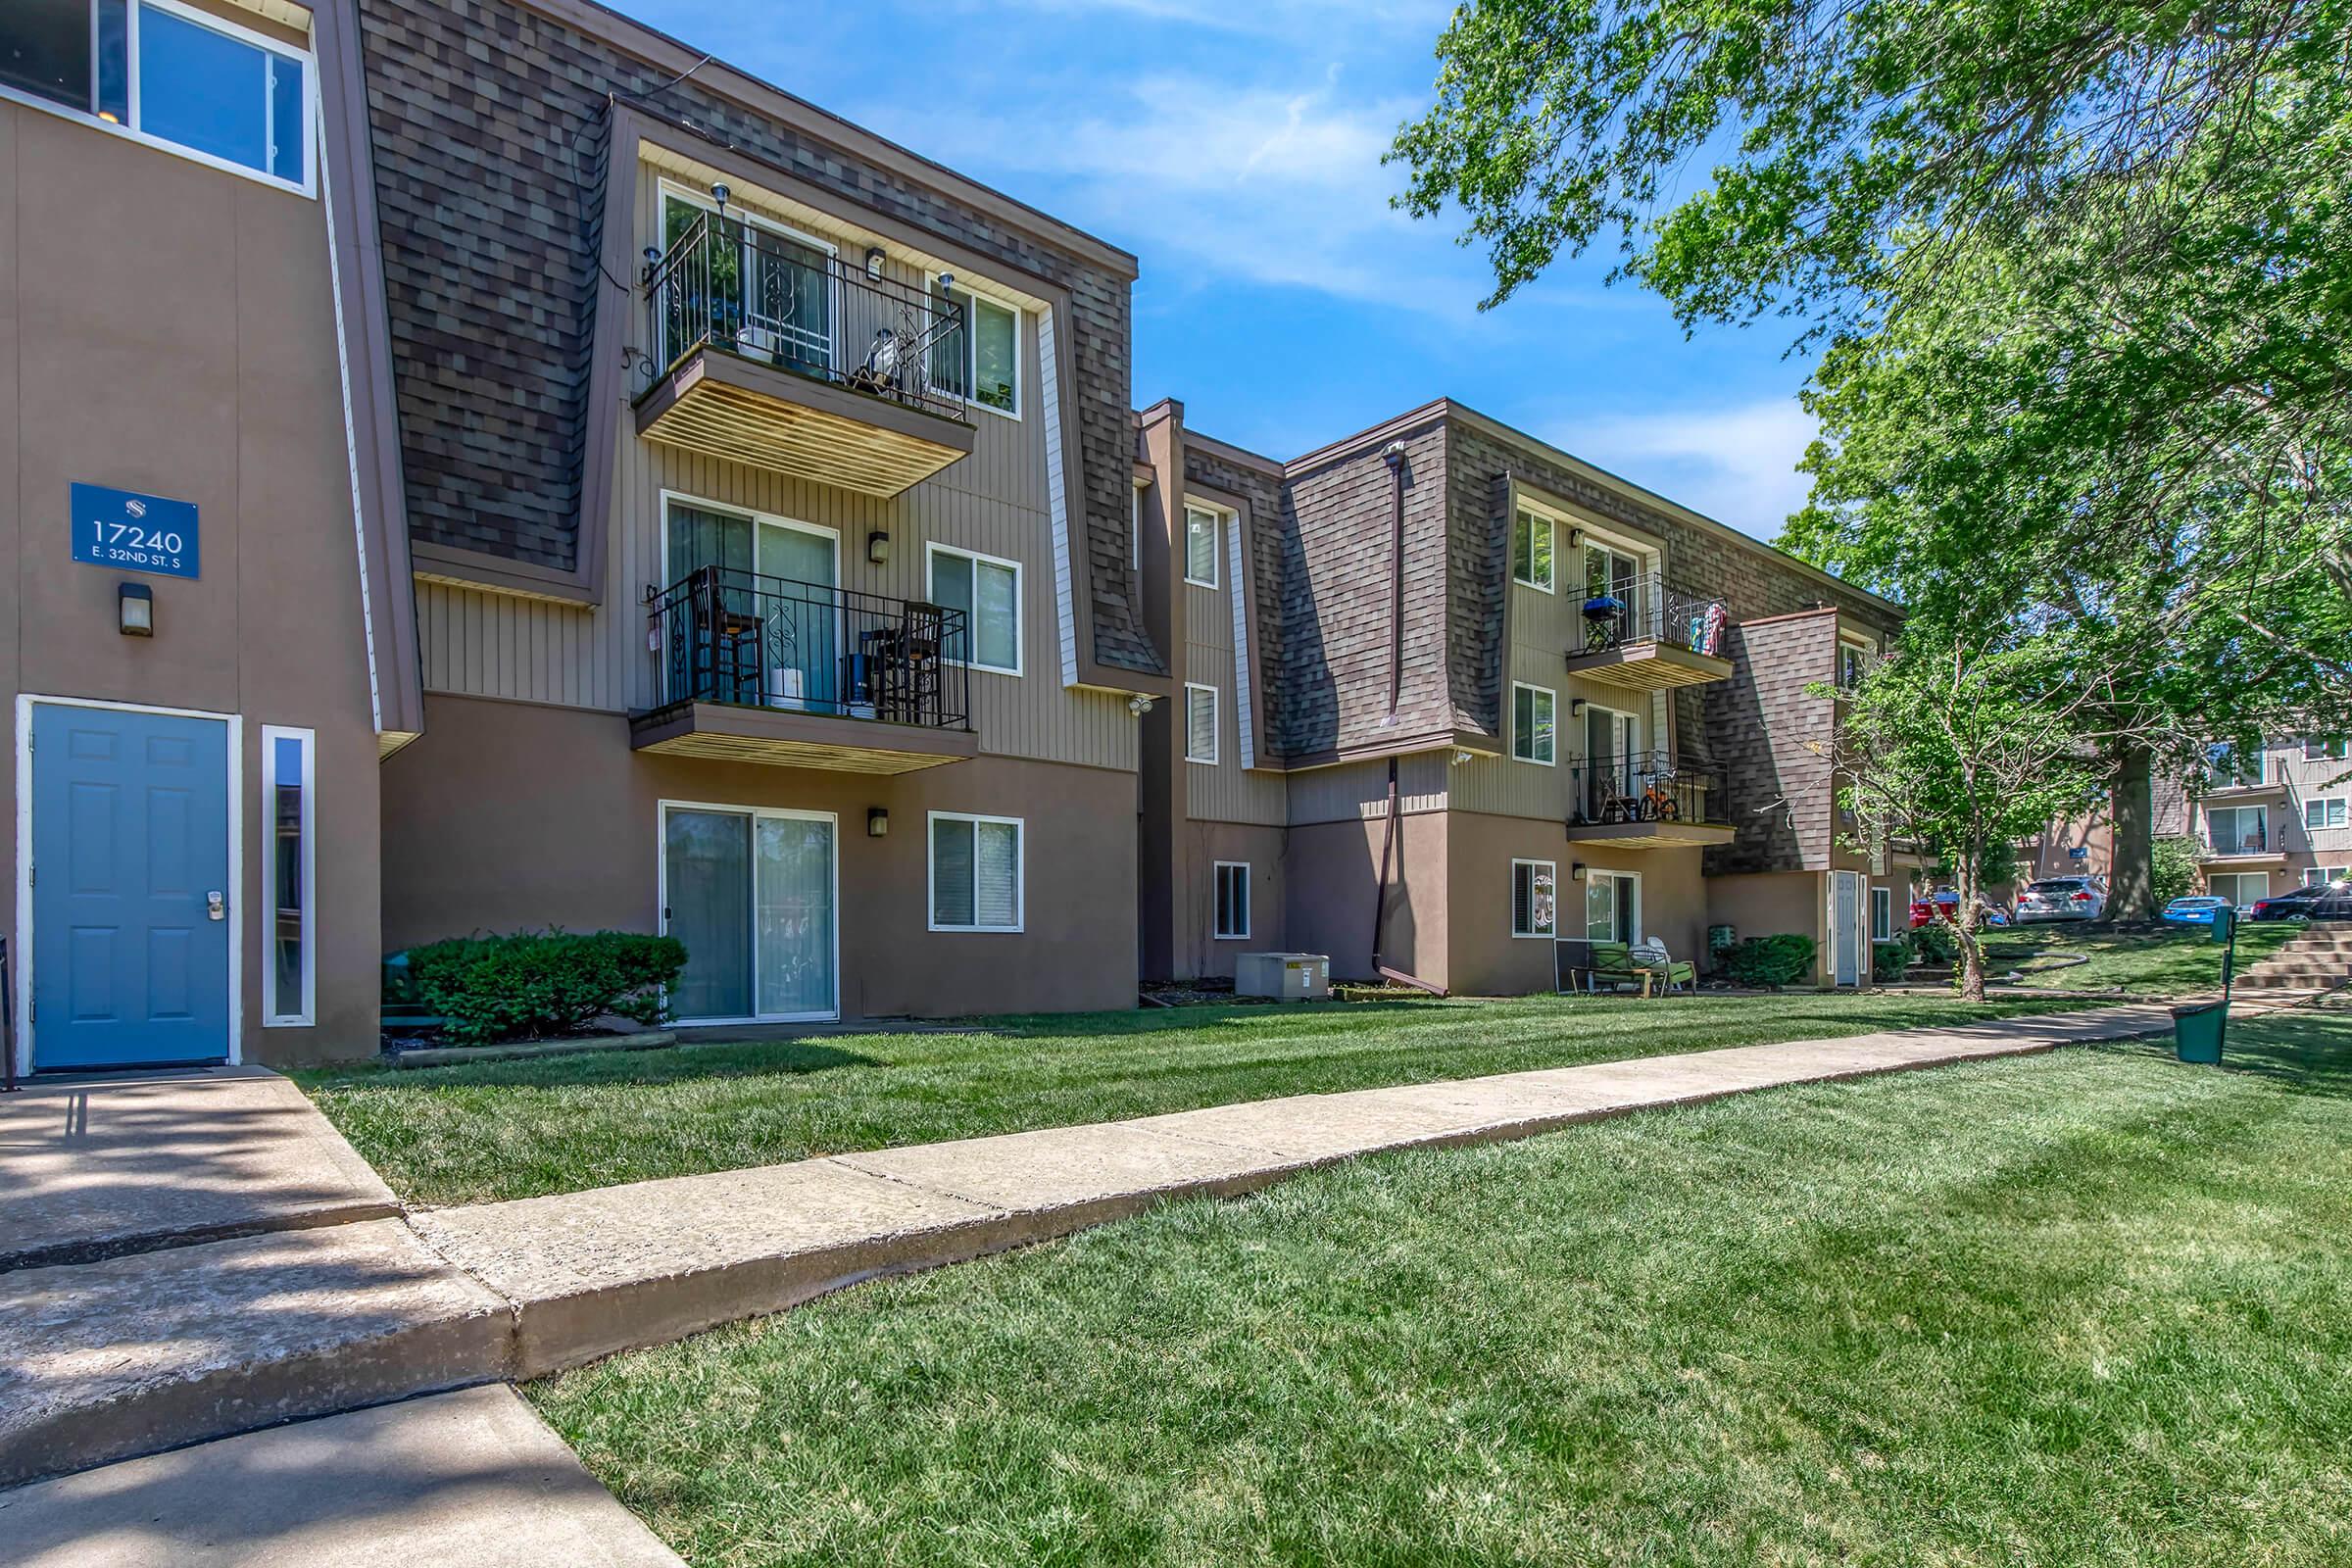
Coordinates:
<point>1736,464</point>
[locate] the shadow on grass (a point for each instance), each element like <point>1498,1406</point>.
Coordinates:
<point>2309,1054</point>
<point>771,1059</point>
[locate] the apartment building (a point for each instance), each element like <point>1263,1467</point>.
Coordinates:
<point>1451,694</point>
<point>2278,819</point>
<point>205,624</point>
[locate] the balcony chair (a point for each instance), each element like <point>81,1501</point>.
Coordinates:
<point>915,683</point>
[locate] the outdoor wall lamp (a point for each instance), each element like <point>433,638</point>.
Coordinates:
<point>1576,707</point>
<point>1138,705</point>
<point>877,821</point>
<point>719,194</point>
<point>134,609</point>
<point>652,259</point>
<point>1576,870</point>
<point>877,548</point>
<point>874,261</point>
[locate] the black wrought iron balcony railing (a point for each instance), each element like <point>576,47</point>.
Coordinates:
<point>741,289</point>
<point>739,638</point>
<point>1646,609</point>
<point>1642,787</point>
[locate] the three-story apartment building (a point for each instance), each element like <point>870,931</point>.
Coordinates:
<point>1453,694</point>
<point>2277,819</point>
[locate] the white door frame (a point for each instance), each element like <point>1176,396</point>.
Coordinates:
<point>755,812</point>
<point>1847,939</point>
<point>21,956</point>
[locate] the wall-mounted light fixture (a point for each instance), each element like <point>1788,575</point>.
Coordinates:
<point>877,548</point>
<point>877,821</point>
<point>1138,705</point>
<point>1576,536</point>
<point>1576,870</point>
<point>719,194</point>
<point>134,609</point>
<point>873,261</point>
<point>1462,758</point>
<point>1576,707</point>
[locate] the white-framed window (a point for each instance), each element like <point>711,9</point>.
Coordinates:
<point>1533,557</point>
<point>1534,735</point>
<point>1134,529</point>
<point>977,872</point>
<point>1853,661</point>
<point>988,590</point>
<point>2323,811</point>
<point>2316,877</point>
<point>166,73</point>
<point>1881,914</point>
<point>1199,723</point>
<point>2319,750</point>
<point>1535,897</point>
<point>984,365</point>
<point>1233,901</point>
<point>1613,906</point>
<point>289,812</point>
<point>1201,545</point>
<point>775,284</point>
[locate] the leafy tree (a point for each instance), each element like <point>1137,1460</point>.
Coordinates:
<point>2174,869</point>
<point>2080,275</point>
<point>1965,749</point>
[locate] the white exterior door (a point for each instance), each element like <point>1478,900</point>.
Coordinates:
<point>1845,927</point>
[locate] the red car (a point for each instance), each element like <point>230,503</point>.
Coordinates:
<point>1922,911</point>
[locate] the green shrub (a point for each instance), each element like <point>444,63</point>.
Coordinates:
<point>537,984</point>
<point>1770,961</point>
<point>2173,869</point>
<point>1936,942</point>
<point>1888,960</point>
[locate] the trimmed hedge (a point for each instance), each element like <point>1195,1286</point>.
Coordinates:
<point>1770,961</point>
<point>1936,942</point>
<point>537,985</point>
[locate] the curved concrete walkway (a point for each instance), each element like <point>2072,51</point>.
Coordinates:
<point>101,1361</point>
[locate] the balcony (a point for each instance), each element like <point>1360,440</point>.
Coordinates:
<point>2224,786</point>
<point>772,354</point>
<point>1645,799</point>
<point>764,669</point>
<point>2226,846</point>
<point>1645,636</point>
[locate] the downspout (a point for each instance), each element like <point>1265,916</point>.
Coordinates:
<point>1394,455</point>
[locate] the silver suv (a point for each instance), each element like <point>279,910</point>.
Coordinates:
<point>2061,898</point>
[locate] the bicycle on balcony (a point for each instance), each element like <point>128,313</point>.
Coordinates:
<point>1650,799</point>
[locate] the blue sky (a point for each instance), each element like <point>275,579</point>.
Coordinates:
<point>1235,149</point>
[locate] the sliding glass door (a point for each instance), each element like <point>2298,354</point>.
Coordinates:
<point>752,893</point>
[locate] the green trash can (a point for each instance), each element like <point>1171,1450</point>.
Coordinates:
<point>2197,1032</point>
<point>2225,923</point>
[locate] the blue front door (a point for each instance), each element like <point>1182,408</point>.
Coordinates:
<point>129,887</point>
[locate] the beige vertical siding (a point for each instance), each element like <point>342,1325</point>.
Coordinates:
<point>1225,792</point>
<point>993,501</point>
<point>1359,791</point>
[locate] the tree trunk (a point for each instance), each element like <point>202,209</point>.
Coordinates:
<point>2131,875</point>
<point>1964,926</point>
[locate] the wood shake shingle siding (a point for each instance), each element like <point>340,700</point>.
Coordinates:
<point>491,122</point>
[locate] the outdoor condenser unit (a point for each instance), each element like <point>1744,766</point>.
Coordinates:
<point>1288,976</point>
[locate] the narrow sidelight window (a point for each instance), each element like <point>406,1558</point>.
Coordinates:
<point>1531,551</point>
<point>1199,724</point>
<point>1534,885</point>
<point>975,872</point>
<point>1881,914</point>
<point>984,365</point>
<point>1531,731</point>
<point>989,593</point>
<point>1201,547</point>
<point>288,795</point>
<point>1233,901</point>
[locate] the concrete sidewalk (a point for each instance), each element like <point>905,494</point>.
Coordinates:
<point>101,1361</point>
<point>466,1480</point>
<point>96,1168</point>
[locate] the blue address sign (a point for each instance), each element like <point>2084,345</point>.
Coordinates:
<point>132,532</point>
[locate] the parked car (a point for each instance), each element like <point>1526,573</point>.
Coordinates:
<point>1948,902</point>
<point>2195,909</point>
<point>2061,898</point>
<point>2302,904</point>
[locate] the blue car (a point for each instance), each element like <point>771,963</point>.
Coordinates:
<point>2195,909</point>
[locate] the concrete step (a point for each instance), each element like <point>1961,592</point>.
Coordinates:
<point>131,1355</point>
<point>466,1480</point>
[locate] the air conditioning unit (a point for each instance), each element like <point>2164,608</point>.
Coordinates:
<point>1287,977</point>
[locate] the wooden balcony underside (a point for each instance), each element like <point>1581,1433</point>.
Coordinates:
<point>786,739</point>
<point>1649,666</point>
<point>740,410</point>
<point>1651,835</point>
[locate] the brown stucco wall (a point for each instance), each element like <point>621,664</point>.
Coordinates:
<point>1334,872</point>
<point>196,361</point>
<point>509,815</point>
<point>1264,851</point>
<point>1797,903</point>
<point>1485,959</point>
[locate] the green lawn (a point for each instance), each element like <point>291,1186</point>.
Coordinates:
<point>469,1134</point>
<point>2150,963</point>
<point>2081,1309</point>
